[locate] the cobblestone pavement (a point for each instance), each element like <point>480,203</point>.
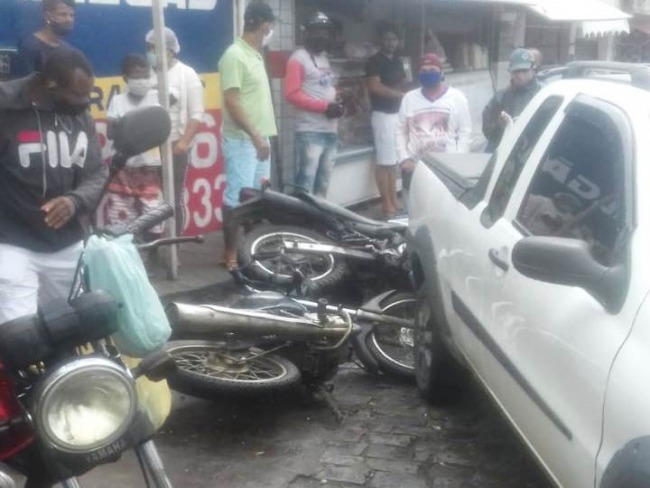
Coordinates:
<point>390,438</point>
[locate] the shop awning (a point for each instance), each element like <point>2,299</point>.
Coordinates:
<point>595,17</point>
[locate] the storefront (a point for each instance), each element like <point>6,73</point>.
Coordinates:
<point>475,36</point>
<point>459,31</point>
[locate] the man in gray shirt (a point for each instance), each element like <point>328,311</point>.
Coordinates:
<point>309,86</point>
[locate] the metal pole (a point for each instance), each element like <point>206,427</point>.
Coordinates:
<point>166,149</point>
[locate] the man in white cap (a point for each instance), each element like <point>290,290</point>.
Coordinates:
<point>185,109</point>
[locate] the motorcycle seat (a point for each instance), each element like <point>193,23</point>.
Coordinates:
<point>369,225</point>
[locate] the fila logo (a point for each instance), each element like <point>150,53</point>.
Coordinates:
<point>56,149</point>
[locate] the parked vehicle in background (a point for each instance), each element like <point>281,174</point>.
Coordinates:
<point>532,271</point>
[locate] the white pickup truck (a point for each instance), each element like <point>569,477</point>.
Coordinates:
<point>533,270</point>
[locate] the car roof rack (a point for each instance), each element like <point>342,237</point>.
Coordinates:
<point>639,72</point>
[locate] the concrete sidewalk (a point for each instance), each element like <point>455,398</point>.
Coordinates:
<point>198,268</point>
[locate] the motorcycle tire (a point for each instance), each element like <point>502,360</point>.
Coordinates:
<point>393,348</point>
<point>323,271</point>
<point>208,369</point>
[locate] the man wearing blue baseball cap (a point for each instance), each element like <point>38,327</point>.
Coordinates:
<point>509,102</point>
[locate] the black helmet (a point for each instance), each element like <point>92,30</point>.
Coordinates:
<point>319,19</point>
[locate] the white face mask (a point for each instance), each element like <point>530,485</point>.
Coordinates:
<point>139,87</point>
<point>267,38</point>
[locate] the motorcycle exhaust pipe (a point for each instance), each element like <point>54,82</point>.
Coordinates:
<point>216,322</point>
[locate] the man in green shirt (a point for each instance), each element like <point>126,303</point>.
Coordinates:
<point>248,117</point>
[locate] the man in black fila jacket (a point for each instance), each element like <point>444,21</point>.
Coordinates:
<point>51,173</point>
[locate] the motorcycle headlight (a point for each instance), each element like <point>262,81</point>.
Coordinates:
<point>85,405</point>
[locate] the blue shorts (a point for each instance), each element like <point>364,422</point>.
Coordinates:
<point>243,169</point>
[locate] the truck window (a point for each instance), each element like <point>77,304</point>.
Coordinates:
<point>520,152</point>
<point>578,189</point>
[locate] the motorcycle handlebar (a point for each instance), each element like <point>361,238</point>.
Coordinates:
<point>151,219</point>
<point>168,241</point>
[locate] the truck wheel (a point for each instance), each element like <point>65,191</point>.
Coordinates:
<point>208,369</point>
<point>261,257</point>
<point>434,366</point>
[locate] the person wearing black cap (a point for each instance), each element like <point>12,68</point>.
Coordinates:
<point>248,118</point>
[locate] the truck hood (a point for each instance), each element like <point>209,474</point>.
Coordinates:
<point>459,172</point>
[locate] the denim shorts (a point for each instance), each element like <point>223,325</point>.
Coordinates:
<point>243,169</point>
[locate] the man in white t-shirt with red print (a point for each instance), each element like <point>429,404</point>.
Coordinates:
<point>434,118</point>
<point>310,86</point>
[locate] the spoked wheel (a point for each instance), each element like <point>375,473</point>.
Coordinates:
<point>262,257</point>
<point>393,347</point>
<point>208,369</point>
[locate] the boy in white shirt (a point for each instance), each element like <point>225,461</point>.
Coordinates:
<point>137,187</point>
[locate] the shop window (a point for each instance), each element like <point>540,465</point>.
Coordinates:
<point>577,191</point>
<point>518,157</point>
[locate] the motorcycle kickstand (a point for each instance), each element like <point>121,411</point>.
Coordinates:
<point>151,463</point>
<point>325,392</point>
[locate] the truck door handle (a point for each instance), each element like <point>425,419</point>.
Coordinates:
<point>498,261</point>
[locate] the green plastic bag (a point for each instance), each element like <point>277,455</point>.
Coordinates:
<point>114,265</point>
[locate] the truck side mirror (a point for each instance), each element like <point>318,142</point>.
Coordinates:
<point>570,262</point>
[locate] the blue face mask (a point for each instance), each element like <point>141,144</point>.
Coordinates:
<point>430,79</point>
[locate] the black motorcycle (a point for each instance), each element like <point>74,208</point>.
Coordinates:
<point>325,243</point>
<point>269,342</point>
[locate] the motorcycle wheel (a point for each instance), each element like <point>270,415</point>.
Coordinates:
<point>393,347</point>
<point>323,271</point>
<point>208,369</point>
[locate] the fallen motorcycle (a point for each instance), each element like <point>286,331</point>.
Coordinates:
<point>324,242</point>
<point>380,345</point>
<point>267,342</point>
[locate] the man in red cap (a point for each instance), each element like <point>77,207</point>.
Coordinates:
<point>434,118</point>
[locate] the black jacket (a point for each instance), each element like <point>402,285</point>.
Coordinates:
<point>44,155</point>
<point>510,100</point>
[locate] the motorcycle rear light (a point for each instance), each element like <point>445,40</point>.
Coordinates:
<point>9,407</point>
<point>15,434</point>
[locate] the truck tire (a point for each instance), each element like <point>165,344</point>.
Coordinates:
<point>435,368</point>
<point>208,369</point>
<point>324,271</point>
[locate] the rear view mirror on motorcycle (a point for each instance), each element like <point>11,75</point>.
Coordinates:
<point>138,131</point>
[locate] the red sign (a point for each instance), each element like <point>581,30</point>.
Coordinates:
<point>205,179</point>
